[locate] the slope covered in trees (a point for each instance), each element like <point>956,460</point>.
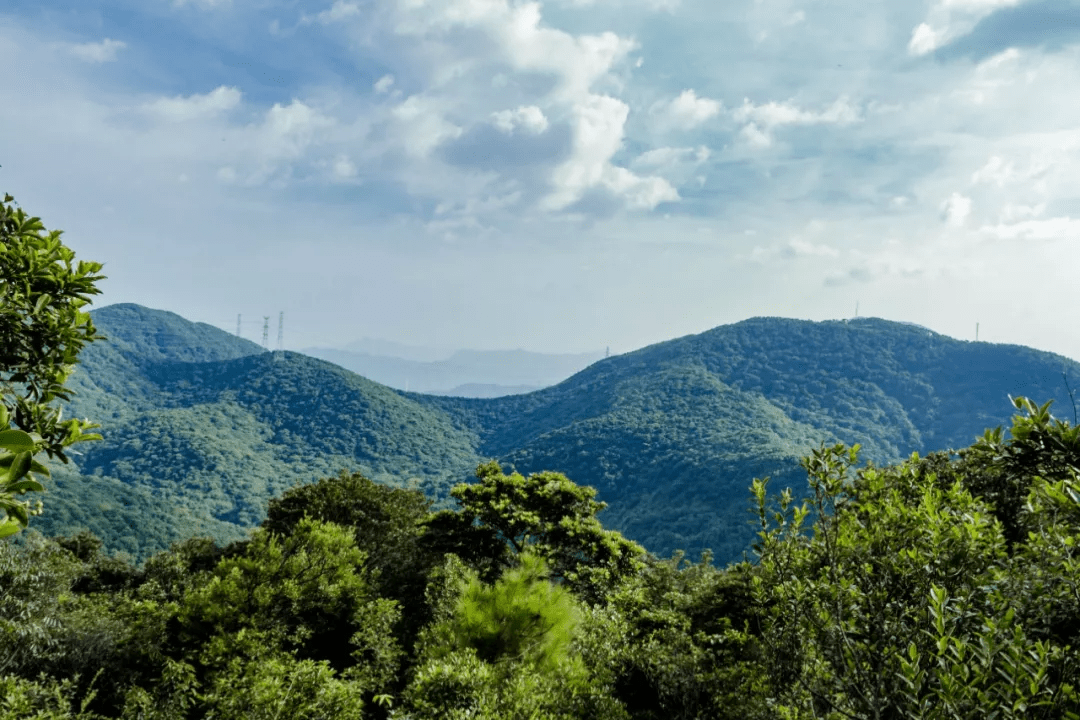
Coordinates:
<point>206,427</point>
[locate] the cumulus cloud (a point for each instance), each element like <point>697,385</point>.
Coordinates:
<point>99,52</point>
<point>195,107</point>
<point>686,111</point>
<point>598,134</point>
<point>513,42</point>
<point>529,118</point>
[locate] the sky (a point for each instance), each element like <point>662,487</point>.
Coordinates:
<point>561,176</point>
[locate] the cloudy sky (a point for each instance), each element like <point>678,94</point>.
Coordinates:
<point>558,176</point>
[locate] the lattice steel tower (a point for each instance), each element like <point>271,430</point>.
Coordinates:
<point>266,331</point>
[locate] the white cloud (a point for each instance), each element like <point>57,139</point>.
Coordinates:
<point>530,118</point>
<point>640,193</point>
<point>422,126</point>
<point>99,52</point>
<point>925,39</point>
<point>195,107</point>
<point>1013,212</point>
<point>383,84</point>
<point>755,136</point>
<point>762,119</point>
<point>956,210</point>
<point>950,19</point>
<point>344,168</point>
<point>798,247</point>
<point>340,11</point>
<point>1059,228</point>
<point>598,133</point>
<point>669,156</point>
<point>995,171</point>
<point>289,129</point>
<point>773,114</point>
<point>513,42</point>
<point>687,111</point>
<point>286,135</point>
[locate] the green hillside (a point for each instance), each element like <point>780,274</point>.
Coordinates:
<point>201,428</point>
<point>672,434</point>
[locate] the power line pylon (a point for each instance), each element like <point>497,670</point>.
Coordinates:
<point>237,324</point>
<point>281,330</point>
<point>266,332</point>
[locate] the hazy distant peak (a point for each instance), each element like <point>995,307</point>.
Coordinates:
<point>390,348</point>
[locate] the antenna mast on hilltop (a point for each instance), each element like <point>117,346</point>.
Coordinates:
<point>237,324</point>
<point>266,331</point>
<point>281,330</point>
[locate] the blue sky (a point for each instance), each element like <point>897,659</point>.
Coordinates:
<point>558,176</point>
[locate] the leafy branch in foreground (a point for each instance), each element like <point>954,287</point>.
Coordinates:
<point>42,330</point>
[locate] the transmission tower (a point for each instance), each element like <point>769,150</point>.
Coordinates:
<point>266,331</point>
<point>237,324</point>
<point>281,330</point>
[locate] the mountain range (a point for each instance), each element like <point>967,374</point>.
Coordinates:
<point>201,428</point>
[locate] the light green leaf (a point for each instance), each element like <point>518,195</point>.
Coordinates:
<point>26,485</point>
<point>16,441</point>
<point>20,465</point>
<point>9,527</point>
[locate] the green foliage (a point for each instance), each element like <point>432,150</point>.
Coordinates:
<point>385,521</point>
<point>307,592</point>
<point>903,601</point>
<point>23,699</point>
<point>503,650</point>
<point>888,592</point>
<point>387,524</point>
<point>1002,472</point>
<point>522,618</point>
<point>678,641</point>
<point>35,581</point>
<point>42,330</point>
<point>556,518</point>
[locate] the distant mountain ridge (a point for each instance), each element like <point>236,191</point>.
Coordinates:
<point>201,427</point>
<point>469,373</point>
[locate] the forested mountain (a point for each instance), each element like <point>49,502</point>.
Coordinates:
<point>202,428</point>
